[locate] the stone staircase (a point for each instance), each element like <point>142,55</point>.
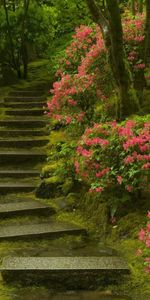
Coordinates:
<point>23,136</point>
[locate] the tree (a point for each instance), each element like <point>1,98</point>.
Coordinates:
<point>147,34</point>
<point>113,34</point>
<point>25,25</point>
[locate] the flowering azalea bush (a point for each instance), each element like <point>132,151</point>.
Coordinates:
<point>111,155</point>
<point>134,36</point>
<point>144,237</point>
<point>82,78</point>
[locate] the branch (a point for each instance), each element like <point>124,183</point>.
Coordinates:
<point>98,16</point>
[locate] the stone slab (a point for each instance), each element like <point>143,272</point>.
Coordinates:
<point>24,208</point>
<point>65,263</point>
<point>23,122</point>
<point>25,104</point>
<point>12,187</point>
<point>23,143</point>
<point>22,153</point>
<point>44,230</point>
<point>25,112</point>
<point>24,98</point>
<point>74,273</point>
<point>27,93</point>
<point>19,173</point>
<point>23,132</point>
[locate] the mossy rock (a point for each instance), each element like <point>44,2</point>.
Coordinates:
<point>50,187</point>
<point>51,168</point>
<point>67,186</point>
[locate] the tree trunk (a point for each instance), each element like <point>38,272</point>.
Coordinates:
<point>9,35</point>
<point>140,6</point>
<point>132,4</point>
<point>98,17</point>
<point>24,51</point>
<point>147,34</point>
<point>128,102</point>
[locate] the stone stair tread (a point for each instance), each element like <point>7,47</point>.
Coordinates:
<point>21,152</point>
<point>24,98</point>
<point>24,109</point>
<point>24,139</point>
<point>18,206</point>
<point>18,184</point>
<point>17,172</point>
<point>24,104</point>
<point>38,230</point>
<point>52,264</point>
<point>23,132</point>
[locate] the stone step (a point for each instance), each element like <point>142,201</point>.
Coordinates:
<point>24,99</point>
<point>25,104</point>
<point>13,187</point>
<point>25,93</point>
<point>64,272</point>
<point>23,132</point>
<point>23,122</point>
<point>37,231</point>
<point>20,143</point>
<point>18,156</point>
<point>25,112</point>
<point>16,209</point>
<point>19,173</point>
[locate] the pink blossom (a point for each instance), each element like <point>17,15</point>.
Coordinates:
<point>68,119</point>
<point>148,214</point>
<point>142,235</point>
<point>148,242</point>
<point>119,179</point>
<point>129,159</point>
<point>147,269</point>
<point>77,167</point>
<point>146,166</point>
<point>148,227</point>
<point>99,189</point>
<point>129,188</point>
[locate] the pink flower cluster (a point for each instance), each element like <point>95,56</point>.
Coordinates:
<point>144,237</point>
<point>78,75</point>
<point>115,154</point>
<point>134,36</point>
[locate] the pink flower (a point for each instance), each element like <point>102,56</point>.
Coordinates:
<point>146,166</point>
<point>99,189</point>
<point>142,235</point>
<point>128,160</point>
<point>77,167</point>
<point>147,269</point>
<point>119,179</point>
<point>147,259</point>
<point>129,188</point>
<point>148,227</point>
<point>148,242</point>
<point>148,214</point>
<point>68,120</point>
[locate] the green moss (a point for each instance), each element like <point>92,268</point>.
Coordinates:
<point>67,187</point>
<point>53,180</point>
<point>57,136</point>
<point>75,218</point>
<point>52,167</point>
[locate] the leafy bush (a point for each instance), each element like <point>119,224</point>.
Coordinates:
<point>144,237</point>
<point>112,156</point>
<point>82,78</point>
